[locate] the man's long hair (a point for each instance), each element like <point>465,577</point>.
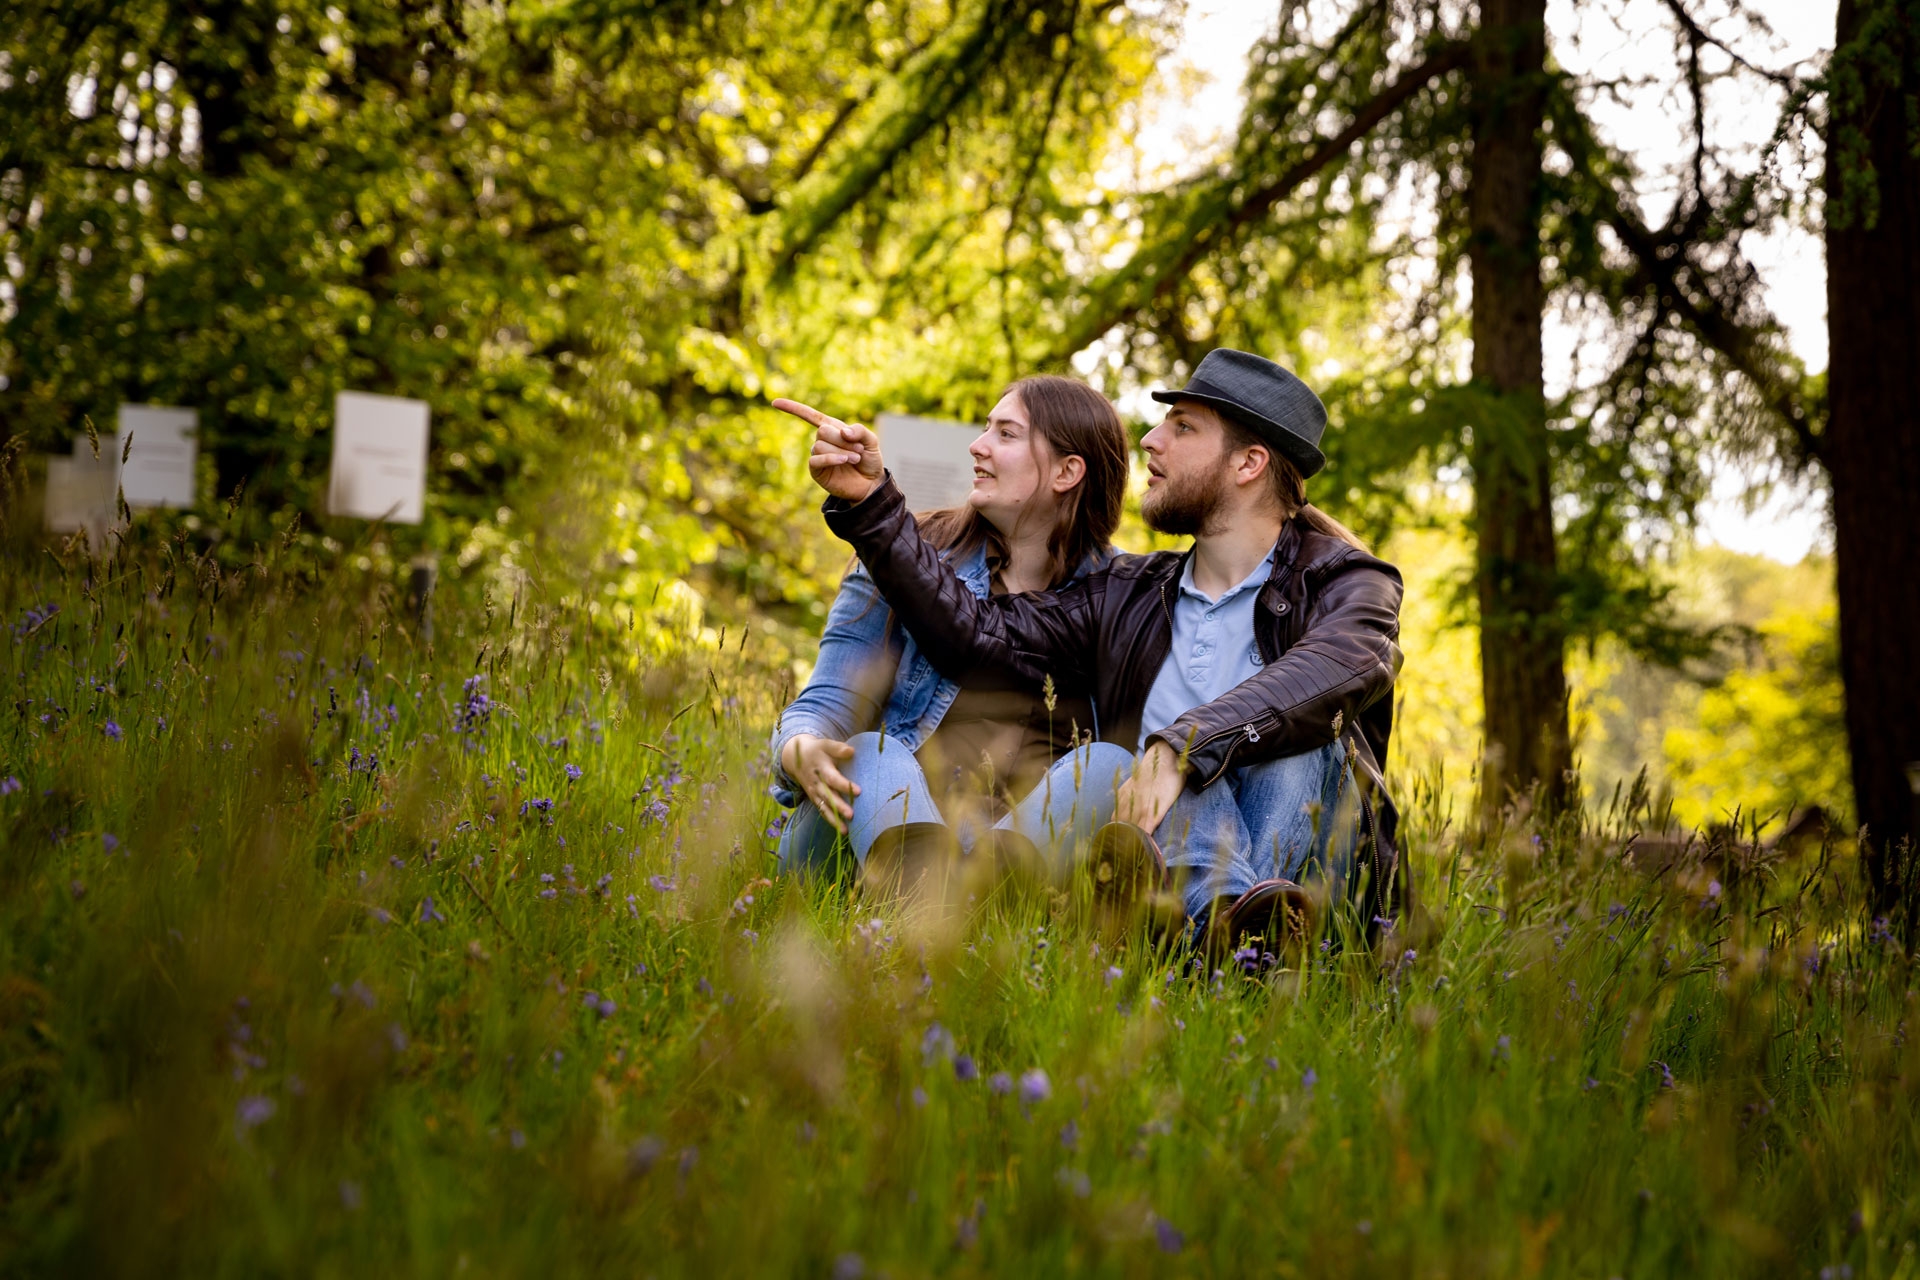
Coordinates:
<point>1072,418</point>
<point>1289,487</point>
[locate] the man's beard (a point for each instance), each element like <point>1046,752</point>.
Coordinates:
<point>1184,507</point>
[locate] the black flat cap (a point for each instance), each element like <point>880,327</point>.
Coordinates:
<point>1262,397</point>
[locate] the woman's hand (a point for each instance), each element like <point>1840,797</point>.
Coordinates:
<point>846,459</point>
<point>814,763</point>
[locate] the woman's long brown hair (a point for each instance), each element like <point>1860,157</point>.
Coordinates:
<point>1073,419</point>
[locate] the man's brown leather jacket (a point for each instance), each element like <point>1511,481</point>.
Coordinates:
<point>1327,625</point>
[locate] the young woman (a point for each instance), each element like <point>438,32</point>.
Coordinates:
<point>882,750</point>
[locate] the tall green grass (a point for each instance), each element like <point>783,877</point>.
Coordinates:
<point>326,951</point>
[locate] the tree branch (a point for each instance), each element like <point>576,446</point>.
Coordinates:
<point>1214,215</point>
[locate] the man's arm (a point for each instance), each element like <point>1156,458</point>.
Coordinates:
<point>1011,638</point>
<point>1343,663</point>
<point>1023,638</point>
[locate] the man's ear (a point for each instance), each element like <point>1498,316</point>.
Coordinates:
<point>1253,465</point>
<point>1068,472</point>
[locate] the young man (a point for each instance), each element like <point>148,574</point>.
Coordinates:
<point>1252,674</point>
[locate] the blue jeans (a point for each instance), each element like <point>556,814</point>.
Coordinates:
<point>1074,800</point>
<point>1286,819</point>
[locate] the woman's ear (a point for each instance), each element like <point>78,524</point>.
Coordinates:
<point>1068,472</point>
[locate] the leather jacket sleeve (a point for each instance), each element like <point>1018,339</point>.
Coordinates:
<point>1009,638</point>
<point>1344,661</point>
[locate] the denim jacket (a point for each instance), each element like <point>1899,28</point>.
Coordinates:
<point>861,650</point>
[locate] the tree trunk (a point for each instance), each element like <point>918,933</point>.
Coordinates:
<point>1872,443</point>
<point>1522,641</point>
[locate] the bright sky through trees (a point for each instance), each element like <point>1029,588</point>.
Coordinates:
<point>1196,106</point>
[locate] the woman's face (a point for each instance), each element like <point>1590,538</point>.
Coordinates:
<point>1016,474</point>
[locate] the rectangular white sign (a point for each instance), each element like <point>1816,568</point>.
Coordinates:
<point>158,471</point>
<point>80,493</point>
<point>379,458</point>
<point>928,458</point>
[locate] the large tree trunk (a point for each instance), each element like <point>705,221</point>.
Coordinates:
<point>1522,641</point>
<point>1872,443</point>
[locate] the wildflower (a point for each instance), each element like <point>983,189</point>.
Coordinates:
<point>427,913</point>
<point>643,1155</point>
<point>539,804</point>
<point>1309,1078</point>
<point>655,812</point>
<point>848,1266</point>
<point>381,914</point>
<point>1502,1048</point>
<point>1114,974</point>
<point>1070,1135</point>
<point>1169,1236</point>
<point>109,841</point>
<point>688,1159</point>
<point>919,1097</point>
<point>516,1139</point>
<point>112,731</point>
<point>78,889</point>
<point>251,1112</point>
<point>1001,1083</point>
<point>778,825</point>
<point>964,1069</point>
<point>9,785</point>
<point>1035,1087</point>
<point>662,883</point>
<point>1666,1073</point>
<point>935,1044</point>
<point>574,772</point>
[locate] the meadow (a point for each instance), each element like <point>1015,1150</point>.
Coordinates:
<point>328,949</point>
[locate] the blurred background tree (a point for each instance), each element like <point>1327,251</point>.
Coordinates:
<point>599,235</point>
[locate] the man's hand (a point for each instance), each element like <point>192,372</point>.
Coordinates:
<point>814,763</point>
<point>846,459</point>
<point>1158,776</point>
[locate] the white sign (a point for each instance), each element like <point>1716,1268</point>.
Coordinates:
<point>928,458</point>
<point>158,471</point>
<point>379,458</point>
<point>80,493</point>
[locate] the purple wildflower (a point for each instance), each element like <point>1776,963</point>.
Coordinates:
<point>9,785</point>
<point>643,1155</point>
<point>1070,1135</point>
<point>919,1097</point>
<point>848,1266</point>
<point>1170,1237</point>
<point>428,915</point>
<point>252,1111</point>
<point>606,1008</point>
<point>1114,974</point>
<point>1309,1078</point>
<point>935,1044</point>
<point>1000,1082</point>
<point>1035,1087</point>
<point>109,841</point>
<point>662,883</point>
<point>574,772</point>
<point>112,731</point>
<point>964,1069</point>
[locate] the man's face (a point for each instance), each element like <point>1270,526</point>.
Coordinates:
<point>1187,469</point>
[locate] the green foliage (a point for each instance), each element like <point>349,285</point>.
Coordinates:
<point>1771,737</point>
<point>596,237</point>
<point>323,949</point>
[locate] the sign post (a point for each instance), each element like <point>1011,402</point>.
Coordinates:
<point>159,467</point>
<point>928,458</point>
<point>379,458</point>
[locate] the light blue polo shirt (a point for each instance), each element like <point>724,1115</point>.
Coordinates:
<point>1213,648</point>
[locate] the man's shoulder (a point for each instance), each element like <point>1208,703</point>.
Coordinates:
<point>1323,555</point>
